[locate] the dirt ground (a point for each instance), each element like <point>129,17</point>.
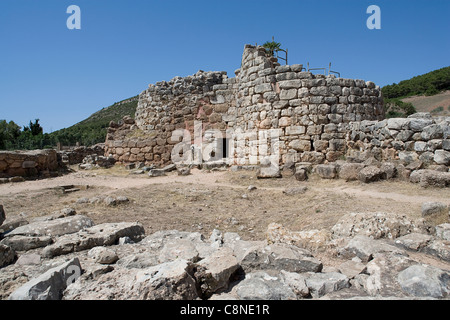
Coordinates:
<point>206,200</point>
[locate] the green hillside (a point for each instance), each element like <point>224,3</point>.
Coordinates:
<point>428,84</point>
<point>92,130</point>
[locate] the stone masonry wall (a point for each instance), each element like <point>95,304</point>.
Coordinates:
<point>307,110</point>
<point>316,118</point>
<point>168,106</point>
<point>418,137</point>
<point>28,163</point>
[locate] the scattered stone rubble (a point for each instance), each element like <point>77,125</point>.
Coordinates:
<point>94,161</point>
<point>372,170</point>
<point>71,258</point>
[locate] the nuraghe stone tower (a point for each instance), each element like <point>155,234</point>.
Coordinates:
<point>315,118</point>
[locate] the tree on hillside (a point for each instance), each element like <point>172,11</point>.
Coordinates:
<point>9,132</point>
<point>428,84</point>
<point>35,128</point>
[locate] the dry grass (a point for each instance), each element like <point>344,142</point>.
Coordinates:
<point>207,200</point>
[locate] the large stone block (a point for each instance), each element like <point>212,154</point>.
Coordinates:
<point>51,284</point>
<point>288,94</point>
<point>56,227</point>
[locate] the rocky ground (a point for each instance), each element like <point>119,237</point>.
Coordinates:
<point>222,235</point>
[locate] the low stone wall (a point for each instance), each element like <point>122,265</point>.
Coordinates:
<point>416,138</point>
<point>33,163</point>
<point>77,154</point>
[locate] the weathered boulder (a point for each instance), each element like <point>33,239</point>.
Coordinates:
<point>438,248</point>
<point>56,227</point>
<point>431,178</point>
<point>178,249</point>
<point>435,211</point>
<point>320,284</point>
<point>103,255</point>
<point>2,215</point>
<point>375,224</point>
<point>280,256</point>
<point>104,234</point>
<point>28,259</point>
<point>213,273</point>
<point>380,278</point>
<point>297,283</point>
<point>10,223</point>
<point>51,284</point>
<point>432,208</point>
<point>156,173</point>
<point>443,231</point>
<point>424,281</point>
<point>326,171</point>
<point>7,255</point>
<point>301,175</point>
<point>414,241</point>
<point>351,268</point>
<point>24,243</point>
<point>388,170</point>
<point>308,239</point>
<point>260,285</point>
<point>370,174</point>
<point>183,171</point>
<point>168,281</point>
<point>350,171</point>
<point>157,240</point>
<point>442,157</point>
<point>365,248</point>
<point>268,172</point>
<point>433,131</point>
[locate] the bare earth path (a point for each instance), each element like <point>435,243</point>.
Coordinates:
<point>206,200</point>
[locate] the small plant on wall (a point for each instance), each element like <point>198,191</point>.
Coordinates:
<point>271,47</point>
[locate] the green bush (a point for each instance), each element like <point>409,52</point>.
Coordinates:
<point>395,108</point>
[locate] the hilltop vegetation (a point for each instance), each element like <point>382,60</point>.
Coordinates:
<point>87,132</point>
<point>93,129</point>
<point>427,84</point>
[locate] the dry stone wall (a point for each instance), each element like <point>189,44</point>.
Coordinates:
<point>416,138</point>
<point>169,106</point>
<point>307,110</point>
<point>272,112</point>
<point>28,163</point>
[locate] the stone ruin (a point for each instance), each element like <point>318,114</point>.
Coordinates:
<point>268,114</point>
<point>310,114</point>
<point>66,256</point>
<point>210,118</point>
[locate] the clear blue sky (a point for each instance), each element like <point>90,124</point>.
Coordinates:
<point>62,76</point>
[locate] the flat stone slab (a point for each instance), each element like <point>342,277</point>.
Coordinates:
<point>364,248</point>
<point>104,234</point>
<point>49,285</point>
<point>24,243</point>
<point>413,241</point>
<point>56,227</point>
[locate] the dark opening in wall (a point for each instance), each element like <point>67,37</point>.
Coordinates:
<point>220,151</point>
<point>312,145</point>
<point>224,148</point>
